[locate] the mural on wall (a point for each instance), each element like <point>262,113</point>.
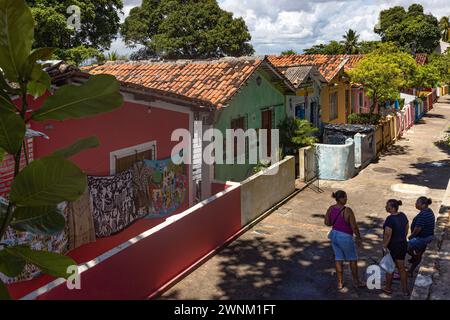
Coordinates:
<point>161,187</point>
<point>151,188</point>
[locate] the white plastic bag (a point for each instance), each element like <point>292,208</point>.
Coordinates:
<point>387,263</point>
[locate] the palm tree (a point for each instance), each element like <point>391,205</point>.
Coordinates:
<point>350,42</point>
<point>113,56</point>
<point>444,25</point>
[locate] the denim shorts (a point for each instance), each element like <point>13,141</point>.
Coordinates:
<point>420,244</point>
<point>343,246</point>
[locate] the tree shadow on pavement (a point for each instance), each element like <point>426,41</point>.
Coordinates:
<point>432,174</point>
<point>293,268</point>
<point>396,150</point>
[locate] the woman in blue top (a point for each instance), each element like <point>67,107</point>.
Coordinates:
<point>422,232</point>
<point>396,229</point>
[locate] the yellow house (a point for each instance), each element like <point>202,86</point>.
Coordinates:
<point>330,91</point>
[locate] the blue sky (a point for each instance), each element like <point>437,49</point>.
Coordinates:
<point>276,25</point>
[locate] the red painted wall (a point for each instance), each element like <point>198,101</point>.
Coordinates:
<point>130,125</point>
<point>146,266</point>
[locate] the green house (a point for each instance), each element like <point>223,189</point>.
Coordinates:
<point>260,103</point>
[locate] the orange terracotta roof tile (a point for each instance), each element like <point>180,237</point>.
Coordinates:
<point>328,65</point>
<point>421,58</point>
<point>212,81</point>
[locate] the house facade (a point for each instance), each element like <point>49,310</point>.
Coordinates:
<point>306,103</point>
<point>335,90</point>
<point>232,93</point>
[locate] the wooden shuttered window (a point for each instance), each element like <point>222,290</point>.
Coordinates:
<point>125,163</point>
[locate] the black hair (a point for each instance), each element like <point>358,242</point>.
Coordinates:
<point>339,195</point>
<point>393,203</point>
<point>425,201</point>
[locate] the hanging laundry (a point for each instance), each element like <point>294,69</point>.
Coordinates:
<point>161,187</point>
<point>80,222</point>
<point>57,243</point>
<point>113,204</point>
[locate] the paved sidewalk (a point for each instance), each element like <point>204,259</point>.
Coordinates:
<point>287,255</point>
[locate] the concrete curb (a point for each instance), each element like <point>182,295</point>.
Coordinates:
<point>429,269</point>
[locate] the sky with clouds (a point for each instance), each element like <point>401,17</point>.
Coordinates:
<point>276,25</point>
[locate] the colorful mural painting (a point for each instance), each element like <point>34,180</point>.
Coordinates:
<point>151,188</point>
<point>161,187</point>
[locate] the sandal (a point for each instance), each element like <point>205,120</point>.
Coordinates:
<point>388,292</point>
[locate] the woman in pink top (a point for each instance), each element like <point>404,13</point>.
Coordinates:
<point>343,221</point>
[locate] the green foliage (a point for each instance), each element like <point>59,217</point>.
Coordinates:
<point>44,183</point>
<point>350,42</point>
<point>99,94</point>
<point>77,55</point>
<point>364,118</point>
<point>427,76</point>
<point>442,64</point>
<point>366,47</point>
<point>16,33</point>
<point>77,147</point>
<point>49,262</point>
<point>261,166</point>
<point>295,134</point>
<point>289,52</point>
<point>350,45</point>
<point>412,30</point>
<point>100,23</point>
<point>44,221</point>
<point>334,47</point>
<point>186,29</point>
<point>12,131</point>
<point>444,26</point>
<point>4,294</point>
<point>48,181</point>
<point>383,72</point>
<point>10,265</point>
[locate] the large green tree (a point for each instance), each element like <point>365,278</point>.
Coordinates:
<point>186,29</point>
<point>100,23</point>
<point>383,72</point>
<point>412,30</point>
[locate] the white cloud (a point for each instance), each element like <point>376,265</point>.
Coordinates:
<point>276,25</point>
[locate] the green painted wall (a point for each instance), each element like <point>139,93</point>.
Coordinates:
<point>249,103</point>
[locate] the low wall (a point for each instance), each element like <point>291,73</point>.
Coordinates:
<point>336,162</point>
<point>265,189</point>
<point>145,265</point>
<point>365,150</point>
<point>139,267</point>
<point>307,164</point>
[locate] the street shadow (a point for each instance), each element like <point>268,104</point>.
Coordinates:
<point>444,145</point>
<point>396,150</point>
<point>294,268</point>
<point>432,174</point>
<point>433,116</point>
